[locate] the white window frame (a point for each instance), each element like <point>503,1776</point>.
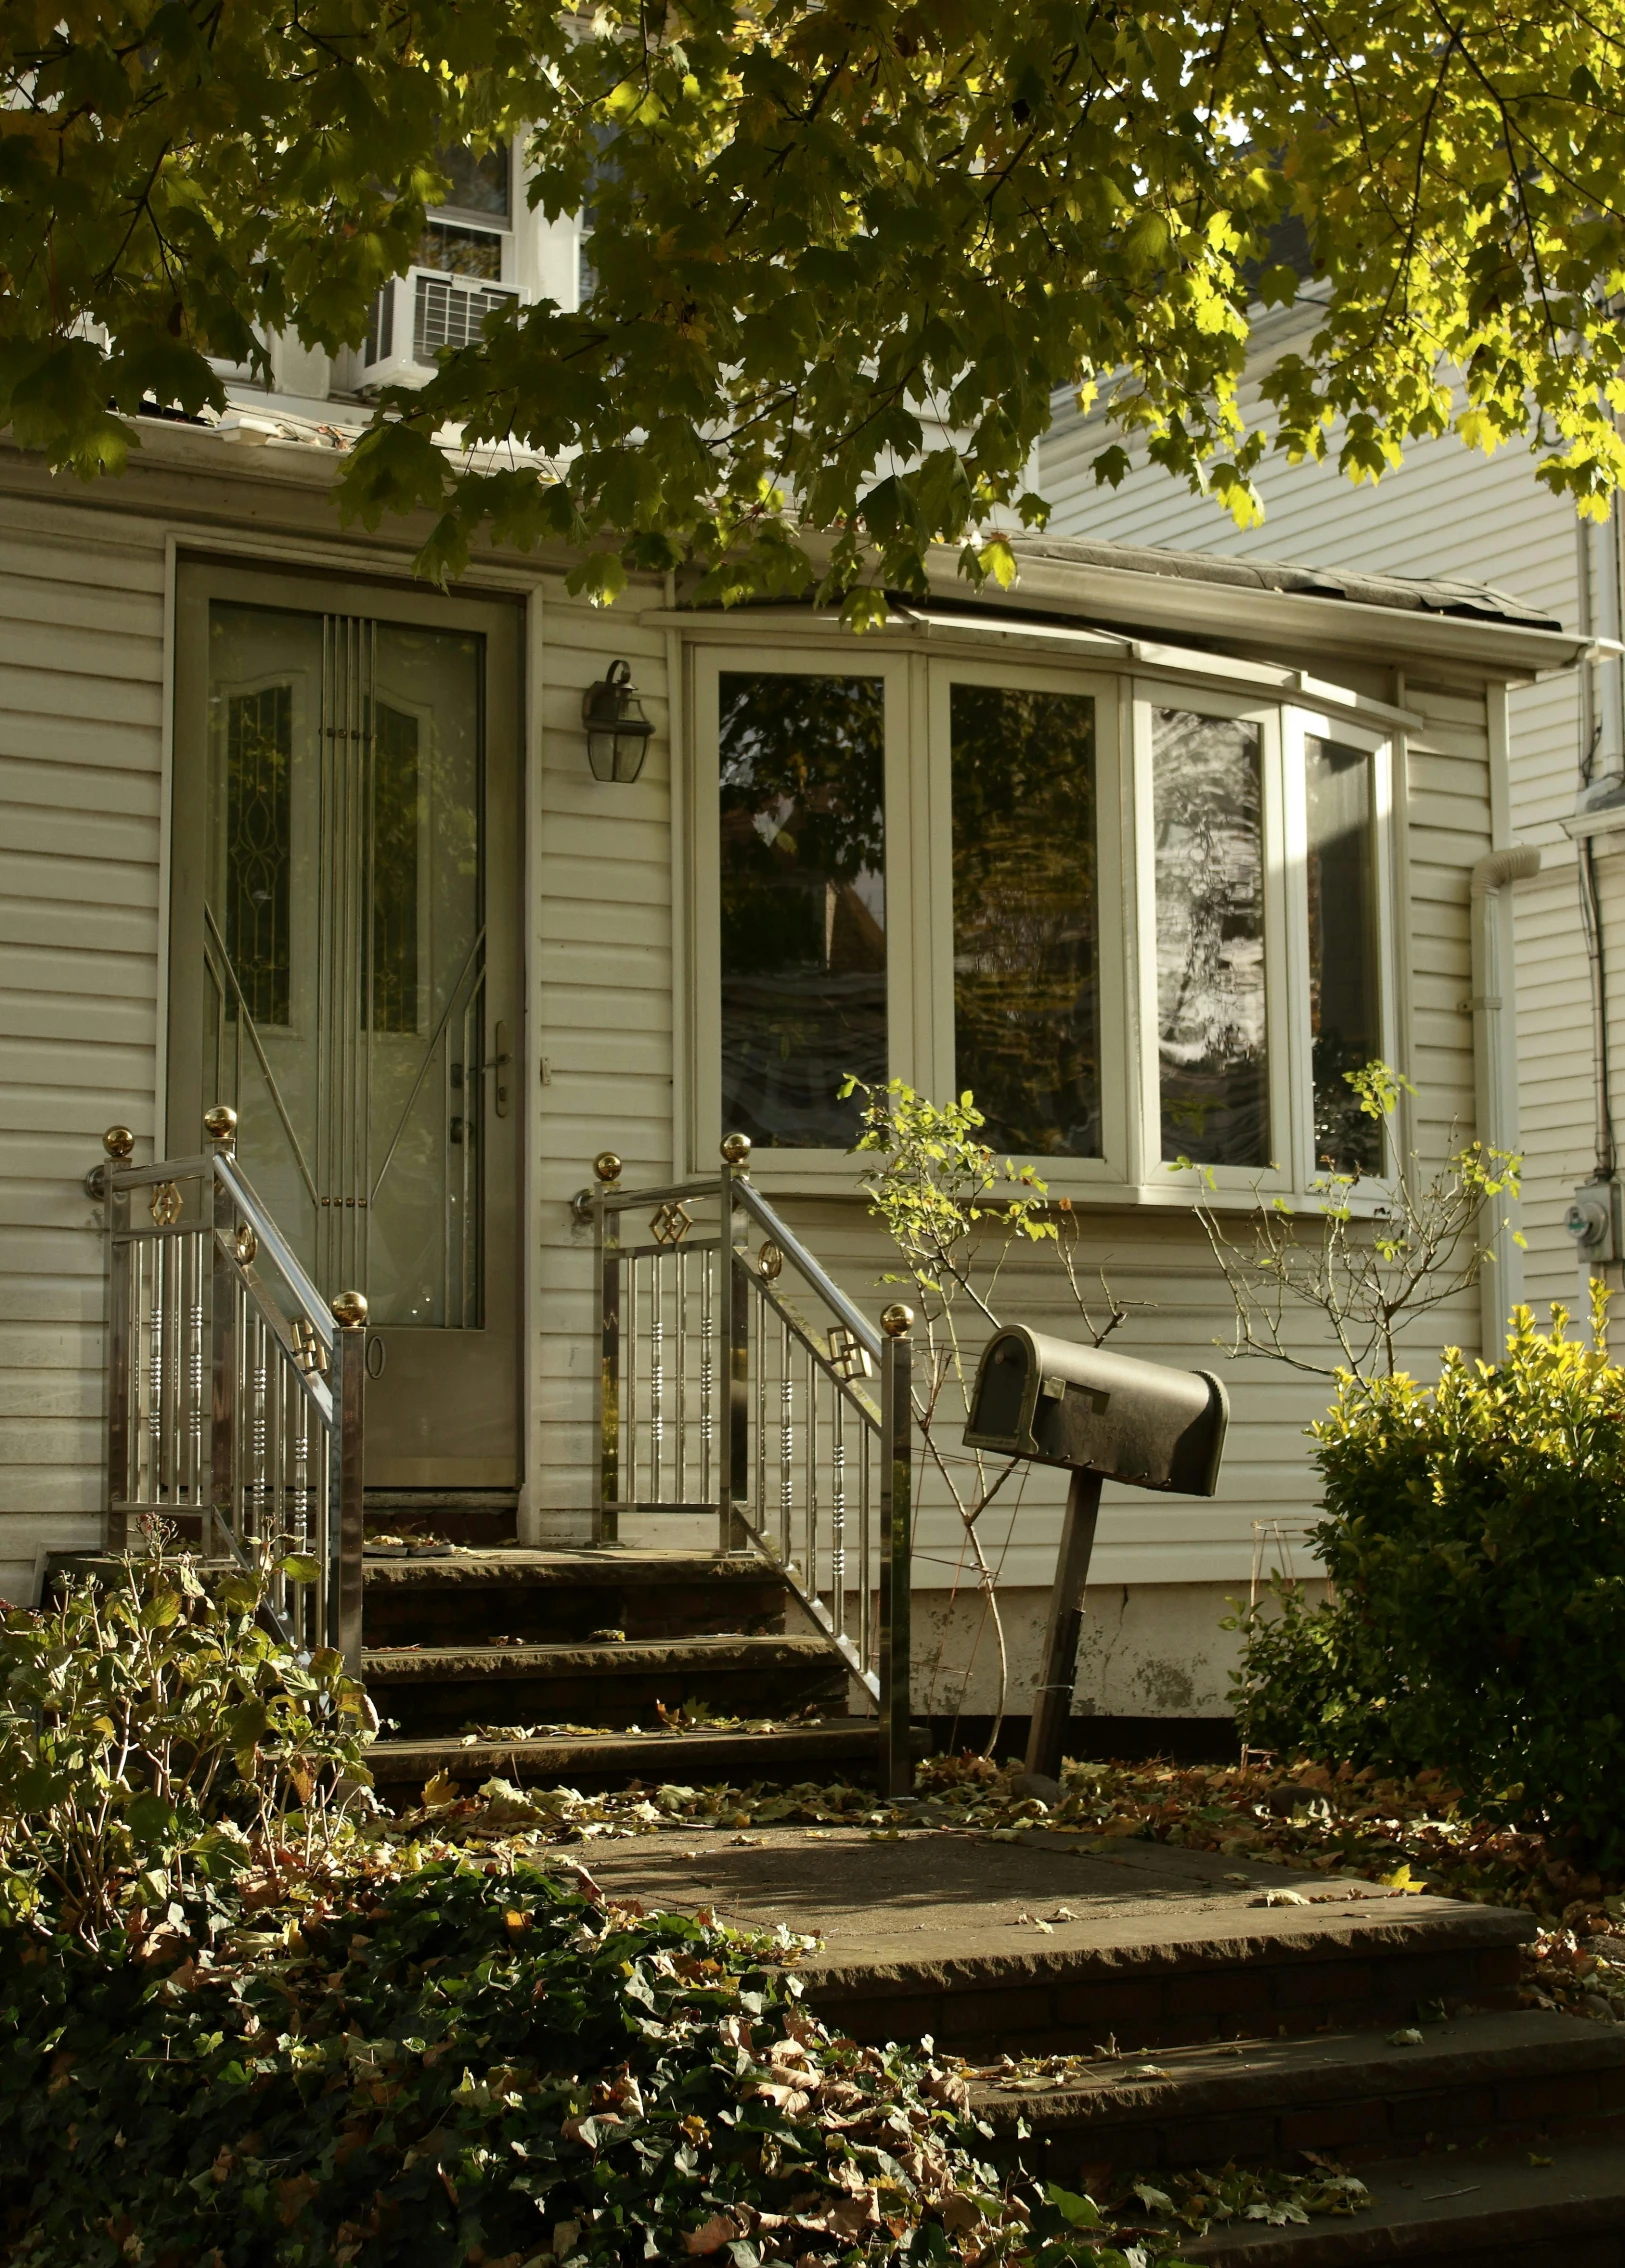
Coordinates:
<point>487,224</point>
<point>1158,1176</point>
<point>813,1170</point>
<point>1299,725</point>
<point>919,908</point>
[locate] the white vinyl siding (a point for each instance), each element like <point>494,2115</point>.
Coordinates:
<point>600,893</point>
<point>81,742</point>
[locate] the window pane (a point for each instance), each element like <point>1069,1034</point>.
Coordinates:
<point>1026,925</point>
<point>476,184</point>
<point>461,251</point>
<point>259,757</point>
<point>1208,793</point>
<point>803,911</point>
<point>395,797</point>
<point>1344,988</point>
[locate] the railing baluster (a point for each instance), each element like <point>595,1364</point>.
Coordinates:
<point>738,1358</point>
<point>155,1372</point>
<point>117,1144</point>
<point>815,1541</point>
<point>680,1449</point>
<point>607,1236</point>
<point>194,1390</point>
<point>758,1492</point>
<point>346,1498</point>
<point>866,1544</point>
<point>787,1436</point>
<point>837,1509</point>
<point>707,1374</point>
<point>657,1381</point>
<point>896,1544</point>
<point>633,1493</point>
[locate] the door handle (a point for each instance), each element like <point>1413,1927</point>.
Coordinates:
<point>498,1061</point>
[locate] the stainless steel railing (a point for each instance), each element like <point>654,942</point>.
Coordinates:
<point>234,1390</point>
<point>744,1384</point>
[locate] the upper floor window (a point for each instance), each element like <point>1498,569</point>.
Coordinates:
<point>1145,927</point>
<point>480,182</point>
<point>468,234</point>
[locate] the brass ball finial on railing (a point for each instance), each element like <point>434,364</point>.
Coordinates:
<point>607,1166</point>
<point>220,1124</point>
<point>118,1142</point>
<point>736,1150</point>
<point>898,1321</point>
<point>349,1310</point>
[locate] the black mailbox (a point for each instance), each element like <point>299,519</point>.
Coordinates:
<point>1095,1412</point>
<point>1104,1417</point>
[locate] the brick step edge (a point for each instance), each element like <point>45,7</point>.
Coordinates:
<point>1458,2209</point>
<point>1290,1970</point>
<point>735,1757</point>
<point>718,1650</point>
<point>1502,2077</point>
<point>544,1567</point>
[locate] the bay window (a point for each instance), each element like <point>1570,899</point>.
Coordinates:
<point>1144,925</point>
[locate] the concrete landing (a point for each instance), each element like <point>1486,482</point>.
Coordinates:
<point>1054,1943</point>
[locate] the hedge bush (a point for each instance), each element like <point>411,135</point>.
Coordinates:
<point>1474,1533</point>
<point>154,1735</point>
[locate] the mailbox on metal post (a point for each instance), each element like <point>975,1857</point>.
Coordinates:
<point>1102,1417</point>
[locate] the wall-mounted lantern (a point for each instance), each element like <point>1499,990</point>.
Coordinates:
<point>617,729</point>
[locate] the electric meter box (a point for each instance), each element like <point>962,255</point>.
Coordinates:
<point>1593,1220</point>
<point>1097,1412</point>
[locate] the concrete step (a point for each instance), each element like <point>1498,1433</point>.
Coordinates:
<point>844,1745</point>
<point>1462,2210</point>
<point>480,1516</point>
<point>562,1597</point>
<point>1057,1944</point>
<point>1501,2081</point>
<point>433,1690</point>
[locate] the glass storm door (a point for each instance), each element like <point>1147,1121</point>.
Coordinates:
<point>344,963</point>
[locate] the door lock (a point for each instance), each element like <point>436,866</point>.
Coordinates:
<point>497,1061</point>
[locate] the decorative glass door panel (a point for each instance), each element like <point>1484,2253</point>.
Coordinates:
<point>345,961</point>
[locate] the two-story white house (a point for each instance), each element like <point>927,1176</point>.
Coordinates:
<point>1145,852</point>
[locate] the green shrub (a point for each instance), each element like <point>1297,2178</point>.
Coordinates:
<point>1475,1538</point>
<point>462,2065</point>
<point>153,1732</point>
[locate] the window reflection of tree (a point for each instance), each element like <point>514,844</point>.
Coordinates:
<point>1344,993</point>
<point>802,795</point>
<point>1208,794</point>
<point>1026,942</point>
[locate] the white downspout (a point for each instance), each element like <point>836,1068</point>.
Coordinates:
<point>1495,1070</point>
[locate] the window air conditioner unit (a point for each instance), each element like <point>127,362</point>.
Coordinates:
<point>417,314</point>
